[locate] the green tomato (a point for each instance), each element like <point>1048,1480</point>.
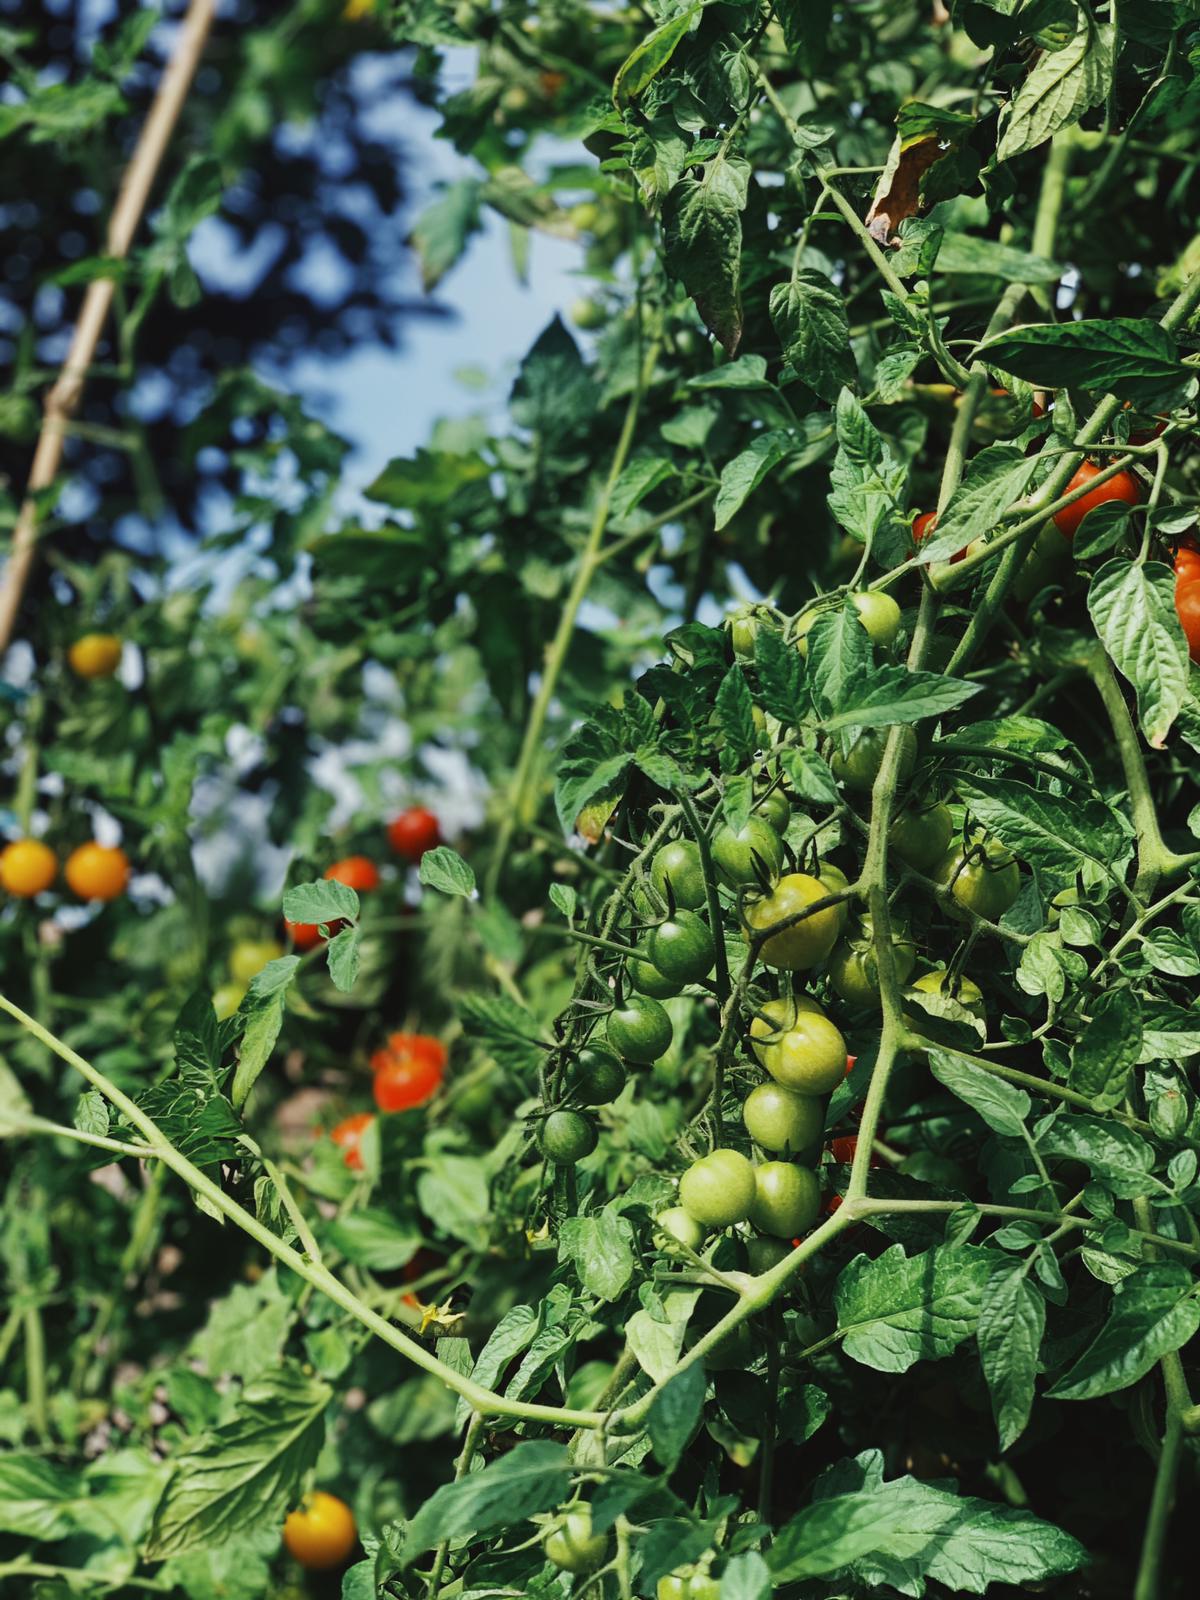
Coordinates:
<point>640,1030</point>
<point>763,1253</point>
<point>227,997</point>
<point>598,1078</point>
<point>676,1224</point>
<point>588,314</point>
<point>859,767</point>
<point>781,1120</point>
<point>920,836</point>
<point>773,1019</point>
<point>805,943</point>
<point>743,629</point>
<point>249,956</point>
<point>645,977</point>
<point>985,880</point>
<point>685,1585</point>
<point>572,1546</point>
<point>836,882</point>
<point>679,864</point>
<point>718,1190</point>
<point>787,1199</point>
<point>854,972</point>
<point>879,615</point>
<point>810,1057</point>
<point>775,808</point>
<point>565,1137</point>
<point>745,855</point>
<point>682,948</point>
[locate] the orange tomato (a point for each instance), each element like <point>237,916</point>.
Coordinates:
<point>304,935</point>
<point>1119,487</point>
<point>420,1046</point>
<point>403,1082</point>
<point>356,872</point>
<point>27,867</point>
<point>322,1533</point>
<point>348,1135</point>
<point>1187,608</point>
<point>95,655</point>
<point>97,871</point>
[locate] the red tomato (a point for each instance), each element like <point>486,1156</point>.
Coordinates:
<point>419,1046</point>
<point>304,935</point>
<point>403,1082</point>
<point>348,1136</point>
<point>1187,563</point>
<point>842,1149</point>
<point>413,832</point>
<point>356,872</point>
<point>1120,487</point>
<point>850,1060</point>
<point>923,525</point>
<point>1187,607</point>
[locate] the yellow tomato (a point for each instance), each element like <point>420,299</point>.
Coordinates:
<point>97,871</point>
<point>95,655</point>
<point>321,1534</point>
<point>27,867</point>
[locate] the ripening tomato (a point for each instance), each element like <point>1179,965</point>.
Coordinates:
<point>640,1030</point>
<point>321,1534</point>
<point>921,835</point>
<point>403,1082</point>
<point>422,1046</point>
<point>684,1585</point>
<point>718,1190</point>
<point>304,935</point>
<point>413,832</point>
<point>27,867</point>
<point>781,1120</point>
<point>97,871</point>
<point>348,1136</point>
<point>1187,559</point>
<point>859,767</point>
<point>645,977</point>
<point>879,615</point>
<point>923,525</point>
<point>984,880</point>
<point>356,872</point>
<point>1187,609</point>
<point>810,1057</point>
<point>961,989</point>
<point>806,942</point>
<point>249,956</point>
<point>597,1078</point>
<point>1121,486</point>
<point>226,998</point>
<point>740,855</point>
<point>95,655</point>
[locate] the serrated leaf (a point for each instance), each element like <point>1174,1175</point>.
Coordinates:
<point>324,901</point>
<point>1121,1159</point>
<point>1056,835</point>
<point>1154,1311</point>
<point>996,478</point>
<point>531,1478</point>
<point>1012,1321</point>
<point>735,719</point>
<point>892,694</point>
<point>1062,85</point>
<point>600,1247</point>
<point>675,1414</point>
<point>702,243</point>
<point>1131,356</point>
<point>897,1310</point>
<point>1133,608</point>
<point>741,476</point>
<point>810,322</point>
<point>1108,1049</point>
<point>1002,1106</point>
<point>439,235</point>
<point>445,870</point>
<point>646,60</point>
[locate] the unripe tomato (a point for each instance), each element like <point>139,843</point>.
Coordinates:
<point>920,836</point>
<point>565,1137</point>
<point>418,1047</point>
<point>597,1078</point>
<point>95,655</point>
<point>859,767</point>
<point>718,1189</point>
<point>775,808</point>
<point>356,872</point>
<point>1119,487</point>
<point>836,882</point>
<point>809,1058</point>
<point>879,615</point>
<point>403,1082</point>
<point>572,1546</point>
<point>97,871</point>
<point>741,856</point>
<point>783,1121</point>
<point>249,956</point>
<point>304,935</point>
<point>968,994</point>
<point>773,1019</point>
<point>322,1533</point>
<point>805,943</point>
<point>640,1030</point>
<point>787,1199</point>
<point>227,997</point>
<point>348,1136</point>
<point>413,832</point>
<point>1187,609</point>
<point>986,886</point>
<point>854,971</point>
<point>27,867</point>
<point>689,1586</point>
<point>682,948</point>
<point>587,314</point>
<point>645,977</point>
<point>763,1253</point>
<point>743,630</point>
<point>675,1224</point>
<point>679,864</point>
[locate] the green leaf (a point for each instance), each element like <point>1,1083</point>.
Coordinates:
<point>342,955</point>
<point>810,322</point>
<point>1002,1106</point>
<point>91,1113</point>
<point>1118,1157</point>
<point>322,902</point>
<point>646,61</point>
<point>702,241</point>
<point>37,1497</point>
<point>247,1472</point>
<point>964,253</point>
<point>1133,608</point>
<point>533,1477</point>
<point>994,479</point>
<point>440,233</point>
<point>1012,1320</point>
<point>600,1247</point>
<point>375,1239</point>
<point>445,870</point>
<point>1131,356</point>
<point>780,673</point>
<point>735,719</point>
<point>675,1414</point>
<point>261,1018</point>
<point>1108,1049</point>
<point>811,778</point>
<point>1062,85</point>
<point>510,1338</point>
<point>741,476</point>
<point>221,1346</point>
<point>747,372</point>
<point>640,478</point>
<point>592,765</point>
<point>839,657</point>
<point>656,1340</point>
<point>1056,835</point>
<point>1154,1311</point>
<point>897,1310</point>
<point>507,1030</point>
<point>892,694</point>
